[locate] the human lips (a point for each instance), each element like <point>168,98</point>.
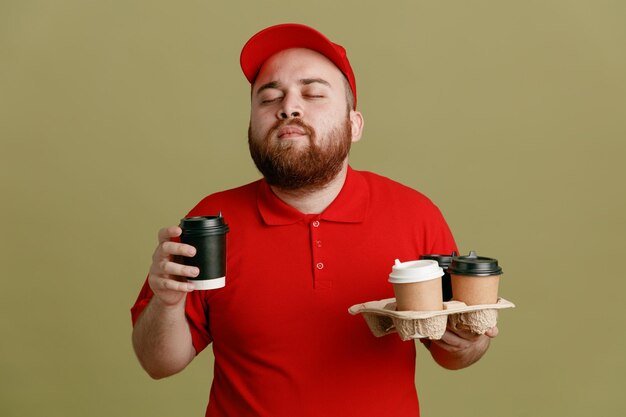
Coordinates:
<point>291,132</point>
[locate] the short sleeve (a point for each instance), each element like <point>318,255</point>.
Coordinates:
<point>196,311</point>
<point>441,241</point>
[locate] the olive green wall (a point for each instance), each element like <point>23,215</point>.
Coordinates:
<point>117,116</point>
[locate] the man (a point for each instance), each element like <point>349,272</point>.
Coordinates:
<point>308,241</point>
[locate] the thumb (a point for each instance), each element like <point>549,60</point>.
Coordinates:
<point>493,332</point>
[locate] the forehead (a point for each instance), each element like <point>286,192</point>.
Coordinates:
<point>298,63</point>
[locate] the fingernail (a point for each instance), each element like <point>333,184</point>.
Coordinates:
<point>195,271</point>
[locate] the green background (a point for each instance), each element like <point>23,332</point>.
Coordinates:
<point>117,116</point>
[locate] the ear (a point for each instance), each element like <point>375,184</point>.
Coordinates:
<point>356,121</point>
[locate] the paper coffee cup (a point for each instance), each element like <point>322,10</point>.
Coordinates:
<point>208,235</point>
<point>444,262</point>
<point>417,285</point>
<point>475,279</point>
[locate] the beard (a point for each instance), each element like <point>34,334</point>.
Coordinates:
<point>291,167</point>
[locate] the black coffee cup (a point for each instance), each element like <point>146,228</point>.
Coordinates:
<point>444,262</point>
<point>208,235</point>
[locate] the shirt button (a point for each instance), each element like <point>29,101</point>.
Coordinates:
<point>318,243</point>
<point>316,223</point>
<point>320,265</point>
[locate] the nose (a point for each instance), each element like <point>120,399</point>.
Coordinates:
<point>293,114</point>
<point>291,108</point>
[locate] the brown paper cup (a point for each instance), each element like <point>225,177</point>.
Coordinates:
<point>473,290</point>
<point>419,296</point>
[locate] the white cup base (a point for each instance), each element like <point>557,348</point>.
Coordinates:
<point>208,284</point>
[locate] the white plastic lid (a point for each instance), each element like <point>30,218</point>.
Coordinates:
<point>414,271</point>
<point>208,284</point>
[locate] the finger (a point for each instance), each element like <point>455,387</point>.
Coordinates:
<point>167,233</point>
<point>167,284</point>
<point>166,250</point>
<point>461,333</point>
<point>175,248</point>
<point>173,268</point>
<point>455,339</point>
<point>173,285</point>
<point>451,339</point>
<point>493,332</point>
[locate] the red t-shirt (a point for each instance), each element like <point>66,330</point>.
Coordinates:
<point>283,340</point>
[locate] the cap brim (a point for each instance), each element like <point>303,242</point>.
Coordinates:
<point>278,38</point>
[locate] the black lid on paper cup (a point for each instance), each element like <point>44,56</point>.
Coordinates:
<point>204,225</point>
<point>444,261</point>
<point>474,266</point>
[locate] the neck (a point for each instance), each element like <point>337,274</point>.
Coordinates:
<point>314,201</point>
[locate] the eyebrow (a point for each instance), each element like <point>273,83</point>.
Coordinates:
<point>307,81</point>
<point>303,81</point>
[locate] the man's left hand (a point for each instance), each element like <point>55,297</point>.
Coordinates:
<point>460,348</point>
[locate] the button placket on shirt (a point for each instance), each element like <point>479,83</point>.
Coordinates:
<point>318,255</point>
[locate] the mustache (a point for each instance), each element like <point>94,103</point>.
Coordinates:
<point>290,122</point>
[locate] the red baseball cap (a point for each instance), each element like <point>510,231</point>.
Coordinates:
<point>277,38</point>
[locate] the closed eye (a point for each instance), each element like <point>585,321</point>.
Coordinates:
<point>270,100</point>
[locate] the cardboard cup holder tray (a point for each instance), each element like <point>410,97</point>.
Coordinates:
<point>382,318</point>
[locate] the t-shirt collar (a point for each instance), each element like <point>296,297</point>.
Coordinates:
<point>350,205</point>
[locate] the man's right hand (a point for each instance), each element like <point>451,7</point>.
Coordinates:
<point>161,336</point>
<point>167,279</point>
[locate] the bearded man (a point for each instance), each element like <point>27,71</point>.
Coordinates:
<point>306,242</point>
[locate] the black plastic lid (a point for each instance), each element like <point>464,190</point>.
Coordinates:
<point>443,260</point>
<point>206,225</point>
<point>474,266</point>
